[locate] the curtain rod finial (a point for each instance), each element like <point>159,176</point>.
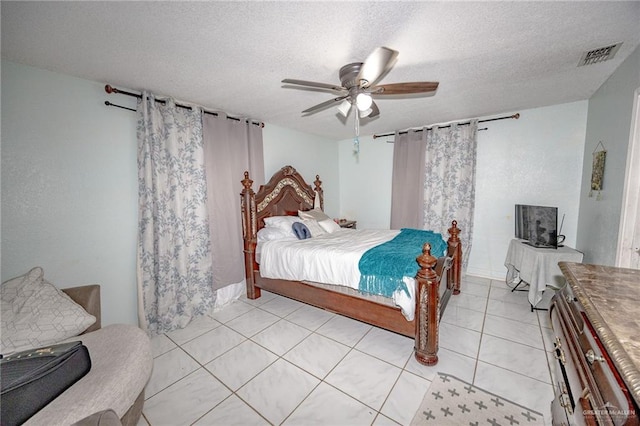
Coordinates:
<point>109,89</point>
<point>516,115</point>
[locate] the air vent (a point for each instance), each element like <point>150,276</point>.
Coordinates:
<point>599,55</point>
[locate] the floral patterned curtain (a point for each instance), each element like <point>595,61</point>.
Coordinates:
<point>450,177</point>
<point>174,251</point>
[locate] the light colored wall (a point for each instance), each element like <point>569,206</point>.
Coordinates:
<point>311,155</point>
<point>534,160</point>
<point>69,193</point>
<point>609,121</point>
<point>365,182</point>
<point>69,182</point>
<point>69,186</point>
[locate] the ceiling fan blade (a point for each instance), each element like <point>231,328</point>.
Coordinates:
<point>315,85</point>
<point>323,105</point>
<point>405,88</point>
<point>377,64</point>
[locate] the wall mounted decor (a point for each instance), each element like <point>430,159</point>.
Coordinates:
<point>597,172</point>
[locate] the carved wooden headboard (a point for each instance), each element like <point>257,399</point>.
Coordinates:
<point>284,194</point>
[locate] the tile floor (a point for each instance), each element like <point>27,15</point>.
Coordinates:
<point>277,361</point>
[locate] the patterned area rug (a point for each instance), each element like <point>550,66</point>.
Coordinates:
<point>451,401</point>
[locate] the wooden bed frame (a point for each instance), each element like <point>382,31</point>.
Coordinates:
<point>285,194</point>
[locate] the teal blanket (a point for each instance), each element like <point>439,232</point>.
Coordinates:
<point>383,266</point>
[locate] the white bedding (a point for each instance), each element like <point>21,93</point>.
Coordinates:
<point>330,259</point>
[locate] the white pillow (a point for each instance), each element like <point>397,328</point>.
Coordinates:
<point>281,222</point>
<point>315,214</point>
<point>314,227</point>
<point>273,234</point>
<point>35,313</point>
<point>329,225</point>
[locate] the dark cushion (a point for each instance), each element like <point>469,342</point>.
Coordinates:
<point>301,230</point>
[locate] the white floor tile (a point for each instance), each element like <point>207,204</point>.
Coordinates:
<point>281,336</point>
<point>468,301</point>
<point>185,401</point>
<point>387,346</point>
<point>241,364</point>
<point>213,344</point>
<point>196,328</point>
<point>232,412</point>
<point>328,406</point>
<point>543,318</point>
<point>231,311</point>
<point>516,357</point>
<point>405,398</point>
<point>310,317</point>
<point>316,367</point>
<point>480,289</point>
<point>463,317</point>
<point>470,279</point>
<point>515,331</point>
<point>463,367</point>
<point>278,390</point>
<point>506,295</point>
<point>252,322</point>
<point>345,330</point>
<point>365,378</point>
<point>512,311</point>
<point>161,344</point>
<point>520,389</point>
<point>459,339</point>
<point>168,368</point>
<point>264,298</point>
<point>317,355</point>
<point>548,338</point>
<point>281,306</point>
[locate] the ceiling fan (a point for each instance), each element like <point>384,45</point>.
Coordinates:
<point>359,85</point>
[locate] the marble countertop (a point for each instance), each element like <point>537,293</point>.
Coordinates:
<point>610,297</point>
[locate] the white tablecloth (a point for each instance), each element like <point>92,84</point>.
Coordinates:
<point>537,267</point>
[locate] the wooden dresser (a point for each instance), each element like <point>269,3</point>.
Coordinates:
<point>596,324</point>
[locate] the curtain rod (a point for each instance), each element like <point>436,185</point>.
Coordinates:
<point>514,116</point>
<point>110,89</point>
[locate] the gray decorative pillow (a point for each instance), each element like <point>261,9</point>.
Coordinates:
<point>314,227</point>
<point>315,214</point>
<point>35,313</point>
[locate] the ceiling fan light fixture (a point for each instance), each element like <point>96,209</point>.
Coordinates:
<point>363,101</point>
<point>365,113</point>
<point>344,107</point>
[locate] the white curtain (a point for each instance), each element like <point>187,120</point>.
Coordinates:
<point>231,147</point>
<point>407,196</point>
<point>449,184</point>
<point>174,264</point>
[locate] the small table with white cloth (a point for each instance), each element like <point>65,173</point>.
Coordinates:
<point>537,267</point>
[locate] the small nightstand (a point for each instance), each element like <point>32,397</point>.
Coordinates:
<point>351,224</point>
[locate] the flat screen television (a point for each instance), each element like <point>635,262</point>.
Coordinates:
<point>538,225</point>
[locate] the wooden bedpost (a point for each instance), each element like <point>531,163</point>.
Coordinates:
<point>454,249</point>
<point>249,230</point>
<point>427,313</point>
<point>319,191</point>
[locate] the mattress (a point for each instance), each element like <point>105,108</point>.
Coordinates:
<point>330,259</point>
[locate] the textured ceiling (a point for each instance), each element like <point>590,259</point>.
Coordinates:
<point>489,57</point>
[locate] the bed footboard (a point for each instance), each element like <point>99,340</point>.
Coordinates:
<point>249,232</point>
<point>429,307</point>
<point>454,251</point>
